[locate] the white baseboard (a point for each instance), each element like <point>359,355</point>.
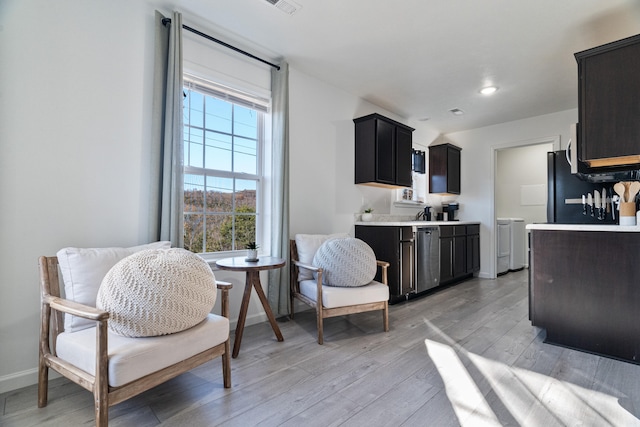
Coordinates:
<point>22,379</point>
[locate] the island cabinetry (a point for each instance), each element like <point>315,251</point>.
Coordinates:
<point>608,107</point>
<point>383,152</point>
<point>444,169</point>
<point>585,290</point>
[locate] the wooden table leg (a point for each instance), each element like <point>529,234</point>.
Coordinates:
<point>255,279</point>
<point>242,316</point>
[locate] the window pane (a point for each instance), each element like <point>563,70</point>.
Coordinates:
<point>193,193</point>
<point>193,232</point>
<point>245,211</point>
<point>194,139</point>
<point>218,152</point>
<point>218,116</point>
<point>196,114</point>
<point>245,159</point>
<point>245,122</point>
<point>245,230</point>
<point>219,233</point>
<point>219,194</point>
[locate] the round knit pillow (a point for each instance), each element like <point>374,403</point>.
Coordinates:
<point>157,292</point>
<point>346,262</point>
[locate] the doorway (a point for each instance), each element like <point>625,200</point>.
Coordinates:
<point>520,183</point>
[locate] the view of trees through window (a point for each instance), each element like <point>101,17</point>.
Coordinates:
<point>221,180</point>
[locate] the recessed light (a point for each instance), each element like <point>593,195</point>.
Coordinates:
<point>488,90</point>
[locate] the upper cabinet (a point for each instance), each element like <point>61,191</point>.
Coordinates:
<point>608,104</point>
<point>383,152</point>
<point>444,169</point>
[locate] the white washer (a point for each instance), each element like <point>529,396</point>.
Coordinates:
<point>504,244</point>
<point>517,250</point>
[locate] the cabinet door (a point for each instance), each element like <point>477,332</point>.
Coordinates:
<point>459,256</point>
<point>386,152</point>
<point>403,156</point>
<point>444,169</point>
<point>446,259</point>
<point>473,253</point>
<point>453,171</point>
<point>608,103</point>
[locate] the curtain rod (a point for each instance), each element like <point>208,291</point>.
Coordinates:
<point>166,21</point>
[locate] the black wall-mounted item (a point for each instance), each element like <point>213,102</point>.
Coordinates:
<point>419,165</point>
<point>382,152</point>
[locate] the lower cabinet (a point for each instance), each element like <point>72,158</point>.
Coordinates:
<point>459,252</point>
<point>394,245</point>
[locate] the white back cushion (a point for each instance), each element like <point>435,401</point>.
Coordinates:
<point>83,270</point>
<point>307,245</point>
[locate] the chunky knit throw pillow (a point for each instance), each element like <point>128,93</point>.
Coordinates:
<point>157,292</point>
<point>346,262</point>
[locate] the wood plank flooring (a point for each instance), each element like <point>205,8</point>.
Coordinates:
<point>466,355</point>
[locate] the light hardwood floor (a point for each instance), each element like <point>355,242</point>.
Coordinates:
<point>466,355</point>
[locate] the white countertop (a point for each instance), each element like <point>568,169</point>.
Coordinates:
<point>586,227</point>
<point>417,223</point>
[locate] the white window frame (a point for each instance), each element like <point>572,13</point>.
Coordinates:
<point>263,153</point>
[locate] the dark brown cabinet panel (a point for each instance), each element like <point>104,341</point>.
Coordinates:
<point>584,290</point>
<point>444,169</point>
<point>459,252</point>
<point>382,152</point>
<point>473,248</point>
<point>608,107</point>
<point>394,245</point>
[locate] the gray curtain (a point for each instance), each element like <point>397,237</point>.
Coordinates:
<point>167,164</point>
<point>278,292</point>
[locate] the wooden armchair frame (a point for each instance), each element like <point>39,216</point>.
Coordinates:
<point>53,307</point>
<point>324,312</point>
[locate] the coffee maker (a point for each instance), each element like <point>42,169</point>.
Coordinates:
<point>449,211</point>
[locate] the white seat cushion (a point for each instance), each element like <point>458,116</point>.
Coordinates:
<point>333,296</point>
<point>133,358</point>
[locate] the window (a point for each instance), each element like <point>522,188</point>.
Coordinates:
<point>223,175</point>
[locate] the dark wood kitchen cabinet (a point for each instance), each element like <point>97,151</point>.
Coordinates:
<point>584,290</point>
<point>383,152</point>
<point>473,248</point>
<point>459,252</point>
<point>444,169</point>
<point>393,244</point>
<point>608,91</point>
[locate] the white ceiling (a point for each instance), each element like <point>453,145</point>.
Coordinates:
<point>421,58</point>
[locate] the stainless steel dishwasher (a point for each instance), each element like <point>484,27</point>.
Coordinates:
<point>427,257</point>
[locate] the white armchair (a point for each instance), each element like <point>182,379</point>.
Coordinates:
<point>112,366</point>
<point>330,301</point>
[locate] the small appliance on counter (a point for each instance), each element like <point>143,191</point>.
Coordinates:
<point>424,215</point>
<point>449,211</point>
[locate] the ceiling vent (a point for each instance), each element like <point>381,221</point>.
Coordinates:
<point>287,6</point>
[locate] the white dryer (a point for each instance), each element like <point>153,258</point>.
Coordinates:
<point>504,244</point>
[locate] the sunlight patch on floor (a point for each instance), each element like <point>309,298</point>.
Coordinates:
<point>531,398</point>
